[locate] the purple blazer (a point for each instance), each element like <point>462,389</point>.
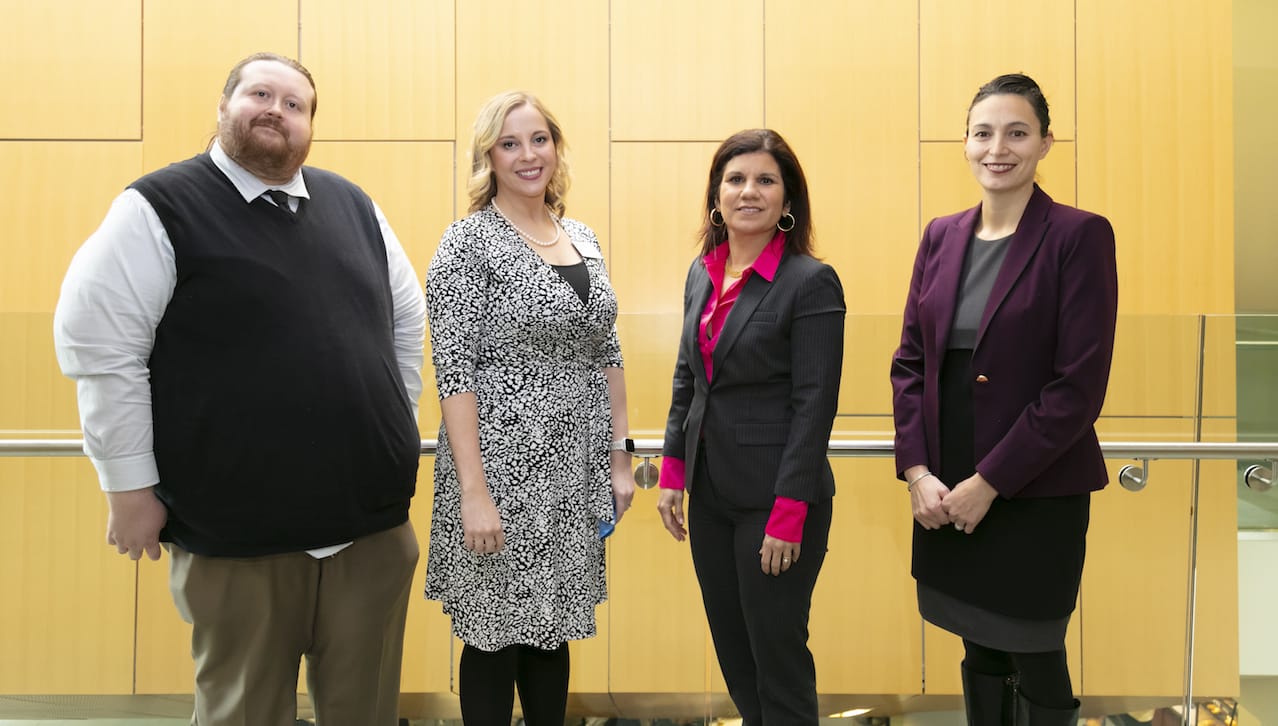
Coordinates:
<point>1042,355</point>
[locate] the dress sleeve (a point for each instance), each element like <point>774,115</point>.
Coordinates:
<point>457,283</point>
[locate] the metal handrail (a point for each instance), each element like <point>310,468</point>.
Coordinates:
<point>866,448</point>
<point>1131,477</point>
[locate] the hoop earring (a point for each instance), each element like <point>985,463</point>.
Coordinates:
<point>793,221</point>
<point>714,211</point>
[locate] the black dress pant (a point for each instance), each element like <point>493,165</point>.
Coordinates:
<point>759,622</point>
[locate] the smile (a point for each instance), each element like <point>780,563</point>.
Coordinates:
<point>529,173</point>
<point>1000,167</point>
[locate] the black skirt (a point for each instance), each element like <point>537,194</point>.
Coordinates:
<point>1025,558</point>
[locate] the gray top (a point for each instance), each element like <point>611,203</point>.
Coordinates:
<point>980,266</point>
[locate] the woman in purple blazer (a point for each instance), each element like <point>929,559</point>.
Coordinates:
<point>1001,374</point>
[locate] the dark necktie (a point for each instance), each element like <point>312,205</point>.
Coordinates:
<point>281,200</point>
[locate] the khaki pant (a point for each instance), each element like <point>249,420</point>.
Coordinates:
<point>255,618</point>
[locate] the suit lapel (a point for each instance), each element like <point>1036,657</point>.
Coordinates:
<point>755,289</point>
<point>1025,242</point>
<point>702,288</point>
<point>949,271</point>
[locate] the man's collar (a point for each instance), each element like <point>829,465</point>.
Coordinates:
<point>249,186</point>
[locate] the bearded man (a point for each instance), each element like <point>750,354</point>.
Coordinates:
<point>246,338</point>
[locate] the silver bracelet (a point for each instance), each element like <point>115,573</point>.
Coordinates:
<point>909,486</point>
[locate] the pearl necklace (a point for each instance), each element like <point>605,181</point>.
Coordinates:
<point>524,234</point>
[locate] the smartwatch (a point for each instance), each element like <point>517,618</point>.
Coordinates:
<point>627,445</point>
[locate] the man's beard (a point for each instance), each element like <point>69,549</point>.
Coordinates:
<point>271,161</point>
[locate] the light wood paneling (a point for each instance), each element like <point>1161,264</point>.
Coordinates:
<point>35,400</point>
<point>427,666</point>
<point>189,47</point>
<point>1133,596</point>
<point>866,394</point>
<point>40,228</point>
<point>385,67</point>
<point>650,343</point>
<point>962,45</point>
<point>1155,364</point>
<point>658,636</point>
<point>860,169</point>
<point>507,51</point>
<point>163,640</point>
<point>686,71</point>
<point>1152,80</point>
<point>66,619</point>
<point>1216,633</point>
<point>72,69</point>
<point>865,634</point>
<point>658,197</point>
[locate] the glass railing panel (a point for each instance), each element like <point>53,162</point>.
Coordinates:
<point>1257,409</point>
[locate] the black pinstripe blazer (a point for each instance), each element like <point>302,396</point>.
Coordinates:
<point>763,423</point>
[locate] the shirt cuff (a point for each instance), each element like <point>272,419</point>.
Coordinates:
<point>672,473</point>
<point>127,473</point>
<point>786,522</point>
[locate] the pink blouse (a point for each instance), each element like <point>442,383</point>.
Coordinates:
<point>788,515</point>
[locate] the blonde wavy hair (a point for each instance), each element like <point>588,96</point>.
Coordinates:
<point>482,185</point>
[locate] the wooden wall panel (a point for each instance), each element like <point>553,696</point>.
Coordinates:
<point>188,49</point>
<point>163,640</point>
<point>865,396</point>
<point>66,620</point>
<point>649,343</point>
<point>864,600</point>
<point>686,71</point>
<point>35,400</point>
<point>860,170</point>
<point>41,230</point>
<point>384,69</point>
<point>72,68</point>
<point>427,668</point>
<point>659,639</point>
<point>1148,82</point>
<point>655,225</point>
<point>1133,595</point>
<point>962,45</point>
<point>506,49</point>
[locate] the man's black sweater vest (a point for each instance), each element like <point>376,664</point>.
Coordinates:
<point>281,422</point>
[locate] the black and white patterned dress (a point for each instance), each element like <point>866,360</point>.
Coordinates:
<point>506,326</point>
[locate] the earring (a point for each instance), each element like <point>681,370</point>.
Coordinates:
<point>792,222</point>
<point>714,211</point>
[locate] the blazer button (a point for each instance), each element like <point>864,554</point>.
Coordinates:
<point>982,379</point>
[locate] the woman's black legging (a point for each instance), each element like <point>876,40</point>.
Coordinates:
<point>488,681</point>
<point>1044,677</point>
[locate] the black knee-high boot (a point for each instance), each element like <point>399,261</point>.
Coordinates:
<point>1029,713</point>
<point>988,699</point>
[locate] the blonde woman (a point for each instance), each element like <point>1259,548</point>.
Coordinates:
<point>533,463</point>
